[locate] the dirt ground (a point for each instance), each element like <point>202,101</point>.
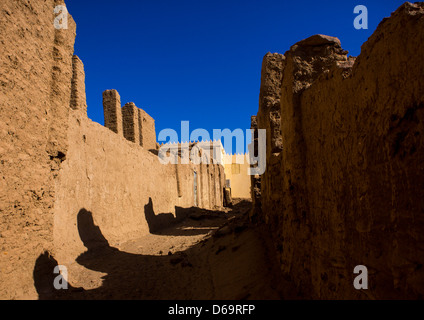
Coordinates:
<point>209,255</point>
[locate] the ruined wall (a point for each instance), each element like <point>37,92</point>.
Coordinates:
<point>147,130</point>
<point>131,123</point>
<point>78,97</point>
<point>112,111</point>
<point>255,180</point>
<point>115,180</point>
<point>123,184</point>
<point>269,118</point>
<point>351,169</point>
<point>56,163</point>
<point>204,186</point>
<point>35,90</point>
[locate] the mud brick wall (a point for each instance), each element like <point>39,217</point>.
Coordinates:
<point>78,97</point>
<point>35,89</point>
<point>147,131</point>
<point>269,118</point>
<point>131,122</point>
<point>255,180</point>
<point>55,162</point>
<point>351,171</point>
<point>112,111</point>
<point>116,180</point>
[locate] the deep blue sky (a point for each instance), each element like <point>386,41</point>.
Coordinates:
<point>200,60</point>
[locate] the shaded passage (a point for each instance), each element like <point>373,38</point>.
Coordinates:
<point>229,262</point>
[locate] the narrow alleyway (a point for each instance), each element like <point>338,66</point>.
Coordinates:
<point>208,255</point>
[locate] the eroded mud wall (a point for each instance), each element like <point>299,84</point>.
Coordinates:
<point>269,118</point>
<point>35,89</point>
<point>351,169</point>
<point>56,163</point>
<point>120,183</point>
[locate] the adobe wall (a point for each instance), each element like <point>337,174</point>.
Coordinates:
<point>112,111</point>
<point>78,97</point>
<point>130,120</point>
<point>351,170</point>
<point>54,161</point>
<point>124,185</point>
<point>269,118</point>
<point>35,89</point>
<point>255,180</point>
<point>147,130</point>
<point>115,179</point>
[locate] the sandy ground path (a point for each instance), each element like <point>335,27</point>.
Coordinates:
<point>209,255</point>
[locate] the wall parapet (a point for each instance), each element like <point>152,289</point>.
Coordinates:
<point>112,111</point>
<point>131,122</point>
<point>78,96</point>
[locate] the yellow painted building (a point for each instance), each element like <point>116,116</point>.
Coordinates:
<point>236,168</point>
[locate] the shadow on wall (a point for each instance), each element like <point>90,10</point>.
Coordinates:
<point>129,276</point>
<point>164,223</point>
<point>90,234</point>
